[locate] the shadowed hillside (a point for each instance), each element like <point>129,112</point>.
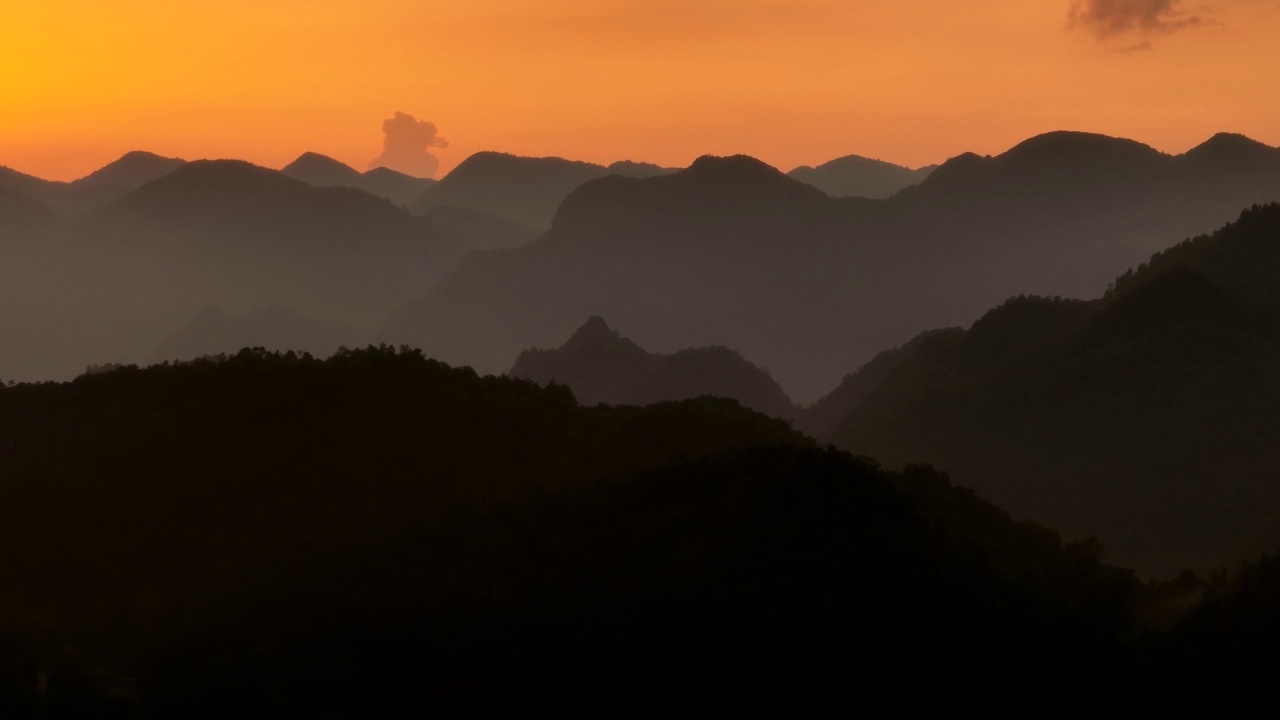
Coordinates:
<point>97,189</point>
<point>1148,417</point>
<point>855,176</point>
<point>601,366</point>
<point>496,547</point>
<point>321,171</point>
<point>523,190</point>
<point>731,252</point>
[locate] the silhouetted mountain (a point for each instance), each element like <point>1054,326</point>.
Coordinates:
<point>731,252</point>
<point>255,532</point>
<point>103,186</point>
<point>131,171</point>
<point>395,186</point>
<point>630,168</point>
<point>38,189</point>
<point>323,171</point>
<point>601,366</point>
<point>855,176</point>
<point>1147,417</point>
<point>213,332</point>
<point>524,190</point>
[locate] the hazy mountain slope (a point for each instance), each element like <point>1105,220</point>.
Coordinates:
<point>482,230</point>
<point>601,366</point>
<point>213,233</point>
<point>38,189</point>
<point>524,190</point>
<point>21,216</point>
<point>131,171</point>
<point>731,252</point>
<point>95,190</point>
<point>856,176</point>
<point>1149,418</point>
<point>395,186</point>
<point>380,505</point>
<point>323,171</point>
<point>213,332</point>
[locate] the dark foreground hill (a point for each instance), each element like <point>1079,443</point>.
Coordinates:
<point>1150,417</point>
<point>855,176</point>
<point>524,190</point>
<point>380,535</point>
<point>601,366</point>
<point>731,252</point>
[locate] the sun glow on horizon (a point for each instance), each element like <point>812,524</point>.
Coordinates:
<point>792,83</point>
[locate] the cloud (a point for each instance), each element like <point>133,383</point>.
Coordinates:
<point>1109,19</point>
<point>406,146</point>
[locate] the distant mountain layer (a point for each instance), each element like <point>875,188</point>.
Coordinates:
<point>855,176</point>
<point>112,285</point>
<point>732,252</point>
<point>1150,417</point>
<point>524,190</point>
<point>212,332</point>
<point>322,171</point>
<point>103,186</point>
<point>601,366</point>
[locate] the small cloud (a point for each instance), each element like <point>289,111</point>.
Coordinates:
<point>1112,19</point>
<point>406,146</point>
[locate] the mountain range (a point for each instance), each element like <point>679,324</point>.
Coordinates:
<point>524,190</point>
<point>732,252</point>
<point>323,171</point>
<point>857,176</point>
<point>101,187</point>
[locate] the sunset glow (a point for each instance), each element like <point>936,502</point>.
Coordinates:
<point>789,81</point>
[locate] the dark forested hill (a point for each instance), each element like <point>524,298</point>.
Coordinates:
<point>856,176</point>
<point>1150,417</point>
<point>380,535</point>
<point>523,190</point>
<point>601,366</point>
<point>731,252</point>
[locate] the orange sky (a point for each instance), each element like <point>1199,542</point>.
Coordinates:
<point>789,81</point>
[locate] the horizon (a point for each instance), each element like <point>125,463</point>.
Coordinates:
<point>789,83</point>
<point>606,163</point>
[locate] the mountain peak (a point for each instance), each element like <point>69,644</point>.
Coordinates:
<point>316,169</point>
<point>1231,149</point>
<point>133,169</point>
<point>595,331</point>
<point>1067,144</point>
